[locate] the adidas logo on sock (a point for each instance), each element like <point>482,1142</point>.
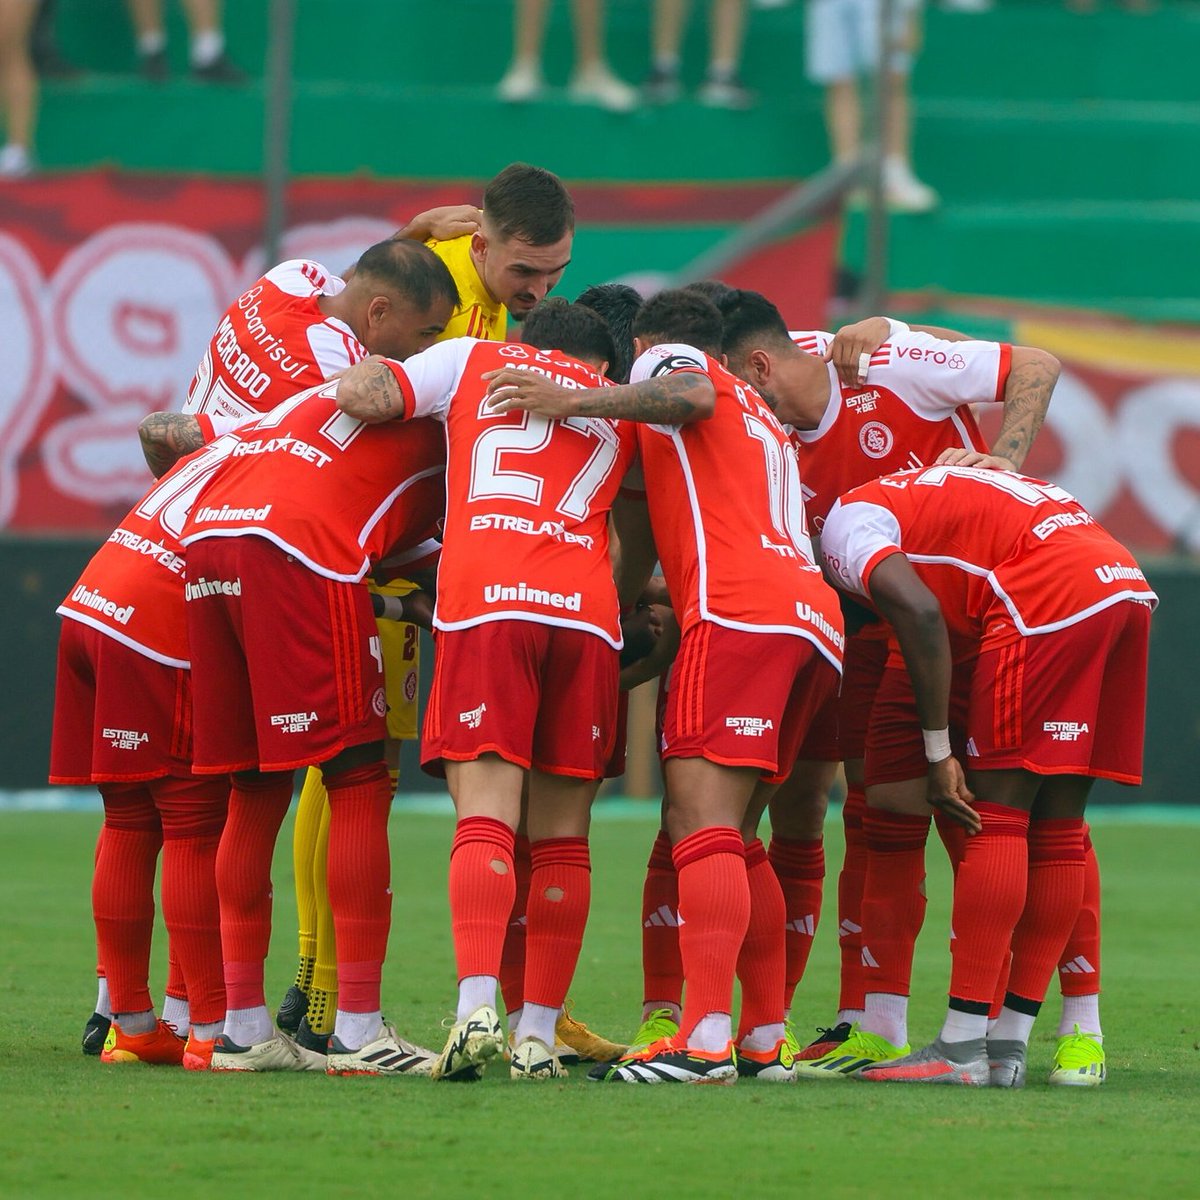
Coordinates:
<point>868,959</point>
<point>803,925</point>
<point>848,928</point>
<point>1077,966</point>
<point>663,916</point>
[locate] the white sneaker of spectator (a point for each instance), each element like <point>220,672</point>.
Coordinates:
<point>521,84</point>
<point>15,162</point>
<point>905,192</point>
<point>598,85</point>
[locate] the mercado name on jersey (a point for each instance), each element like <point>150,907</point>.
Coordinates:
<point>728,514</point>
<point>915,404</point>
<point>528,498</point>
<point>335,492</point>
<point>1007,556</point>
<point>273,342</point>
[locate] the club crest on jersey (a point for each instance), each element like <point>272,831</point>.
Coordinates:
<point>379,703</point>
<point>875,439</point>
<point>410,686</point>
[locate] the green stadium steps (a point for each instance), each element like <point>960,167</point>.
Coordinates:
<point>982,150</point>
<point>1037,50</point>
<point>416,133</point>
<point>1020,49</point>
<point>1108,256</point>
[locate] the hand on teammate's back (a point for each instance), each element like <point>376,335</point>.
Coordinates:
<point>511,388</point>
<point>958,457</point>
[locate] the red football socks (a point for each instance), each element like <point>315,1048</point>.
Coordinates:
<point>560,893</point>
<point>482,891</point>
<point>851,881</point>
<point>762,962</point>
<point>893,907</point>
<point>1052,905</point>
<point>358,879</point>
<point>123,893</point>
<point>989,895</point>
<point>512,957</point>
<point>714,912</point>
<point>662,967</point>
<point>1079,967</point>
<point>257,806</point>
<point>800,868</point>
<point>193,815</point>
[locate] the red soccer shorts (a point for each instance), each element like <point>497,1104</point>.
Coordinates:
<point>119,716</point>
<point>839,730</point>
<point>540,696</point>
<point>744,699</point>
<point>286,665</point>
<point>895,749</point>
<point>615,767</point>
<point>1072,702</point>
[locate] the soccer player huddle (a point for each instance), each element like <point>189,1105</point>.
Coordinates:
<point>627,490</point>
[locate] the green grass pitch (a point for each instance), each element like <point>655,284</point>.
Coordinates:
<point>70,1126</point>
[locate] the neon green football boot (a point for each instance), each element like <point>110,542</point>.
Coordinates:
<point>860,1049</point>
<point>1079,1060</point>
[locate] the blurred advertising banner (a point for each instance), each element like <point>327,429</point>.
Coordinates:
<point>111,285</point>
<point>1123,430</point>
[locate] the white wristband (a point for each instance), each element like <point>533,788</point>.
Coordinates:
<point>393,608</point>
<point>937,744</point>
<point>896,327</point>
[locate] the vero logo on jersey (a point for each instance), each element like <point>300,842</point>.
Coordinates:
<point>938,358</point>
<point>1065,731</point>
<point>749,726</point>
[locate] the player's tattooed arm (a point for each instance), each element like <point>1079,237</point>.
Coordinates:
<point>1031,380</point>
<point>166,438</point>
<point>676,399</point>
<point>370,392</point>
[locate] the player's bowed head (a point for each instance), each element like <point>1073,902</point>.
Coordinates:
<point>524,243</point>
<point>398,300</point>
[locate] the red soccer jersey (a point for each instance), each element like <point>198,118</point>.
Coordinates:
<point>914,405</point>
<point>1005,555</point>
<point>133,588</point>
<point>273,342</point>
<point>728,515</point>
<point>335,492</point>
<point>528,498</point>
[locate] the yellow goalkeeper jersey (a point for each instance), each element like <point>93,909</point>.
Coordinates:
<point>477,315</point>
